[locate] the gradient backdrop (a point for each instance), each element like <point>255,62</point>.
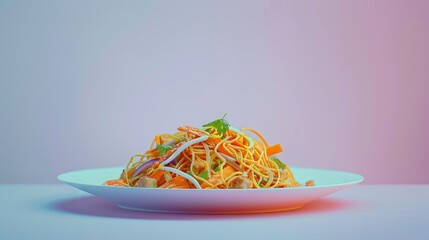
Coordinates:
<point>340,84</point>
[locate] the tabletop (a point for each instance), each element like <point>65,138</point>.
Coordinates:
<point>360,212</point>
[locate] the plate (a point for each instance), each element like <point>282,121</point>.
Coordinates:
<point>212,201</point>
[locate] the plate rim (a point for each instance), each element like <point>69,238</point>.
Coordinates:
<point>359,179</point>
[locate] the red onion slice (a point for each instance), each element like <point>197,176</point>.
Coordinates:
<point>144,166</point>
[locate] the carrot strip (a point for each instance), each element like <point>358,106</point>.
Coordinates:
<point>239,142</point>
<point>228,170</point>
<point>224,151</point>
<point>157,140</point>
<point>274,149</point>
<point>157,175</point>
<point>257,134</point>
<point>116,182</point>
<point>176,182</point>
<point>214,142</point>
<point>131,171</point>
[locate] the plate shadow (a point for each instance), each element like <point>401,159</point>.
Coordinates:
<point>99,207</point>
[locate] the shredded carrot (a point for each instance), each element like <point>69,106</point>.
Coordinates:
<point>116,182</point>
<point>131,171</point>
<point>213,141</point>
<point>228,170</point>
<point>157,140</point>
<point>224,151</point>
<point>274,149</point>
<point>239,142</point>
<point>157,174</point>
<point>176,182</point>
<point>257,134</point>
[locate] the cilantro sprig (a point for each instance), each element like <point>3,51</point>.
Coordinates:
<point>162,149</point>
<point>221,125</point>
<point>278,162</point>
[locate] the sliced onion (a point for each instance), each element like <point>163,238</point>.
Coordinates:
<point>183,147</point>
<point>185,175</point>
<point>231,161</point>
<point>144,166</point>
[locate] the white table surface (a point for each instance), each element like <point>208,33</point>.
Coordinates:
<point>361,212</point>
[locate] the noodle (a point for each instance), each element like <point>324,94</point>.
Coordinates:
<point>212,157</point>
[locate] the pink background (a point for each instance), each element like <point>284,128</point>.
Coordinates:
<point>340,84</point>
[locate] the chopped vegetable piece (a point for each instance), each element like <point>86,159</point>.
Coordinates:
<point>228,170</point>
<point>204,174</point>
<point>162,149</point>
<point>159,176</point>
<point>176,182</point>
<point>158,140</point>
<point>278,162</point>
<point>274,149</point>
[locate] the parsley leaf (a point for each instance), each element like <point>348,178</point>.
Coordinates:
<point>204,174</point>
<point>162,149</point>
<point>278,162</point>
<point>221,125</point>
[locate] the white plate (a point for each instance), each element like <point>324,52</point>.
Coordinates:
<point>215,201</point>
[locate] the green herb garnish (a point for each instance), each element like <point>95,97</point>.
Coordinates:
<point>204,174</point>
<point>214,163</point>
<point>162,149</point>
<point>221,125</point>
<point>278,162</point>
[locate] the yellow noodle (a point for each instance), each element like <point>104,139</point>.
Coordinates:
<point>253,161</point>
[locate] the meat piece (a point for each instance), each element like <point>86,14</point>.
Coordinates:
<point>147,182</point>
<point>242,182</point>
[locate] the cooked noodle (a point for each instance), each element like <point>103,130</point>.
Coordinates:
<point>209,160</point>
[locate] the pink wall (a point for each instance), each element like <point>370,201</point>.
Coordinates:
<point>340,84</point>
